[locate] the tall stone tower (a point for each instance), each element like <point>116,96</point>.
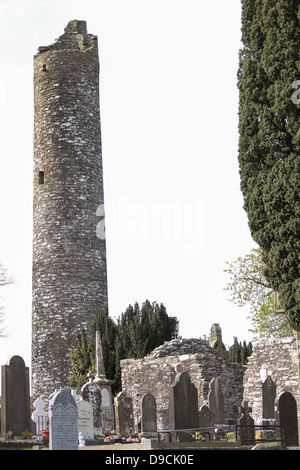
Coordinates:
<point>69,279</point>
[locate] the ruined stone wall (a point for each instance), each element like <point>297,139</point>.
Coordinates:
<point>278,359</point>
<point>156,373</point>
<point>69,281</point>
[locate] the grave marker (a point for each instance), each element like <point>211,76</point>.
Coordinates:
<point>246,423</point>
<point>216,400</point>
<point>286,415</point>
<point>91,392</point>
<point>268,398</point>
<point>148,421</point>
<point>85,419</point>
<point>63,421</point>
<point>39,416</point>
<point>183,406</point>
<point>124,414</point>
<point>206,417</point>
<point>15,398</point>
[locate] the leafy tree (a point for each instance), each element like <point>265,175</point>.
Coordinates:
<point>269,141</point>
<point>249,286</point>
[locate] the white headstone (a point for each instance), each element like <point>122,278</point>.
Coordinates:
<point>39,416</point>
<point>63,421</point>
<point>85,419</point>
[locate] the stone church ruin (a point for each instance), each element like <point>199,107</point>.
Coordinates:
<point>205,380</point>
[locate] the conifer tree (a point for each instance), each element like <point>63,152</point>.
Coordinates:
<point>239,352</point>
<point>136,333</point>
<point>82,359</point>
<point>269,142</point>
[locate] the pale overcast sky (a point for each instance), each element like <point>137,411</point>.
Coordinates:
<point>169,119</point>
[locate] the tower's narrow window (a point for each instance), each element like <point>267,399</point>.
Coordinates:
<point>41,177</point>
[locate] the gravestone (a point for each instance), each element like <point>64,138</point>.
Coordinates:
<point>15,398</point>
<point>246,425</point>
<point>148,421</point>
<point>107,408</point>
<point>206,417</point>
<point>86,422</point>
<point>39,416</point>
<point>91,392</point>
<point>183,406</point>
<point>216,400</point>
<point>286,415</point>
<point>63,421</point>
<point>124,414</point>
<point>268,398</point>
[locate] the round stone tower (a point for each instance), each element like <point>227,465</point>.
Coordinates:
<point>69,278</point>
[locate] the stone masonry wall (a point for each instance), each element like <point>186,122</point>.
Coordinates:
<point>278,359</point>
<point>69,281</point>
<point>156,373</point>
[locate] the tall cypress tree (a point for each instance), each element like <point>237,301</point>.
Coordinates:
<point>269,142</point>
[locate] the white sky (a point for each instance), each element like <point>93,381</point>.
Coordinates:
<point>169,112</point>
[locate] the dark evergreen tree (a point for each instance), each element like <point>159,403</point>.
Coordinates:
<point>141,329</point>
<point>136,333</point>
<point>239,352</point>
<point>269,142</point>
<point>83,361</point>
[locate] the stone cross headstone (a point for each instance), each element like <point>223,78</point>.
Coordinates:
<point>15,397</point>
<point>206,417</point>
<point>40,416</point>
<point>91,392</point>
<point>216,400</point>
<point>63,421</point>
<point>268,398</point>
<point>246,423</point>
<point>148,421</point>
<point>286,415</point>
<point>183,406</point>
